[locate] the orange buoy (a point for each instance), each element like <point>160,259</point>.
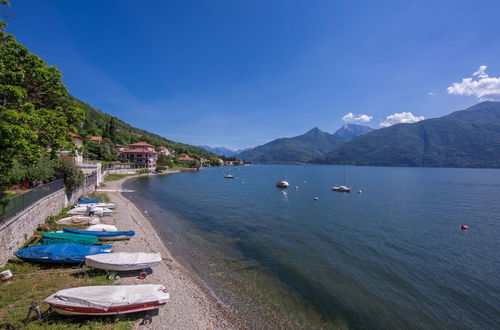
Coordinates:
<point>464,227</point>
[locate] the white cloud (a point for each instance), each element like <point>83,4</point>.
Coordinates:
<point>350,118</point>
<point>431,93</point>
<point>480,85</point>
<point>402,117</point>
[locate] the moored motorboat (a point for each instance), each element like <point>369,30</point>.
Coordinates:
<point>108,300</point>
<point>102,227</point>
<point>61,253</point>
<point>79,220</point>
<point>123,261</point>
<point>229,176</point>
<point>282,184</point>
<point>103,235</point>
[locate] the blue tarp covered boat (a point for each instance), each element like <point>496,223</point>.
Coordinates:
<point>90,201</point>
<point>62,253</point>
<point>103,235</point>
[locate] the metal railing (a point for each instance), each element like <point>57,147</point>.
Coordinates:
<point>11,207</point>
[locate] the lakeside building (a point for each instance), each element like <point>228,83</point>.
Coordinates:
<point>165,151</point>
<point>75,156</point>
<point>185,158</point>
<point>141,153</point>
<point>96,138</point>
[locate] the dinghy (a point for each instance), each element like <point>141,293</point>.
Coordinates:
<point>108,300</point>
<point>89,201</point>
<point>103,205</point>
<point>79,220</point>
<point>62,253</point>
<point>83,210</point>
<point>102,227</point>
<point>103,235</point>
<point>123,261</point>
<point>54,238</point>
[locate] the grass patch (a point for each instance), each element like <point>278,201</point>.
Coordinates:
<point>36,282</point>
<point>115,177</point>
<point>103,196</point>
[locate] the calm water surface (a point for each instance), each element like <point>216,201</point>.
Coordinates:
<point>391,257</point>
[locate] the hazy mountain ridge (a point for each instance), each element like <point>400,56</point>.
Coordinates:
<point>466,138</point>
<point>299,149</point>
<point>223,150</point>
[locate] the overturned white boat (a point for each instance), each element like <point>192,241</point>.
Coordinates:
<point>83,211</point>
<point>103,205</point>
<point>108,300</point>
<point>79,220</point>
<point>123,261</point>
<point>102,227</point>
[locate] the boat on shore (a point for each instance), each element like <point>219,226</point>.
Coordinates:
<point>102,235</point>
<point>62,253</point>
<point>79,220</point>
<point>54,238</point>
<point>123,261</point>
<point>82,210</point>
<point>282,184</point>
<point>88,201</point>
<point>108,299</point>
<point>102,227</point>
<point>103,205</point>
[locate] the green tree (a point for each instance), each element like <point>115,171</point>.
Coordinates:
<point>73,176</point>
<point>35,112</point>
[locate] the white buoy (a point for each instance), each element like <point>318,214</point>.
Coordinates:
<point>316,198</point>
<point>296,187</point>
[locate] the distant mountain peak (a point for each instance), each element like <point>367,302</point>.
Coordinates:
<point>351,131</point>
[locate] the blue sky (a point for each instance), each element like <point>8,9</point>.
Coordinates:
<point>241,73</point>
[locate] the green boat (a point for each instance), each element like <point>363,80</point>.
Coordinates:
<point>53,238</point>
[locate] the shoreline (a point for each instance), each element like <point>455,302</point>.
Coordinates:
<point>192,304</point>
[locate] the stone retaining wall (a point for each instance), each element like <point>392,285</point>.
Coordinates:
<point>16,231</point>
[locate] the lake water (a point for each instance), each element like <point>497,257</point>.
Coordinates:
<point>390,257</point>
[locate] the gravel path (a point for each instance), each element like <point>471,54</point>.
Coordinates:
<point>191,305</point>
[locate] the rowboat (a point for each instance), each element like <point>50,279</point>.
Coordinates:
<point>108,300</point>
<point>103,205</point>
<point>78,220</point>
<point>101,227</point>
<point>102,235</point>
<point>123,261</point>
<point>54,238</point>
<point>83,210</point>
<point>62,253</point>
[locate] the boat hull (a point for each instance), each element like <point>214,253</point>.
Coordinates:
<point>78,310</point>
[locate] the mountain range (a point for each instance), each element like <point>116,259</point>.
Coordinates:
<point>223,150</point>
<point>303,148</point>
<point>466,138</point>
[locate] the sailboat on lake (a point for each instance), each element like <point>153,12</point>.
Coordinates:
<point>343,188</point>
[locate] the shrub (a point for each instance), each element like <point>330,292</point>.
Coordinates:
<point>73,176</point>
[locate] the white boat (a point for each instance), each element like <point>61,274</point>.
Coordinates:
<point>124,261</point>
<point>108,300</point>
<point>103,205</point>
<point>228,176</point>
<point>102,227</point>
<point>343,188</point>
<point>282,184</point>
<point>79,220</point>
<point>83,210</point>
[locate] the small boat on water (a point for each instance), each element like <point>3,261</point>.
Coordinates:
<point>79,220</point>
<point>103,205</point>
<point>88,201</point>
<point>102,235</point>
<point>82,210</point>
<point>62,253</point>
<point>108,299</point>
<point>123,261</point>
<point>228,176</point>
<point>102,227</point>
<point>54,238</point>
<point>343,188</point>
<point>282,184</point>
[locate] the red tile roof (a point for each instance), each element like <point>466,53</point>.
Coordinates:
<point>141,144</point>
<point>74,135</point>
<point>139,150</point>
<point>185,158</point>
<point>161,148</point>
<point>96,138</point>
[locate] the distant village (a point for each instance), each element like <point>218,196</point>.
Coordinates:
<point>145,155</point>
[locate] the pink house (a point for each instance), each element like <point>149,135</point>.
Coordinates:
<point>141,153</point>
